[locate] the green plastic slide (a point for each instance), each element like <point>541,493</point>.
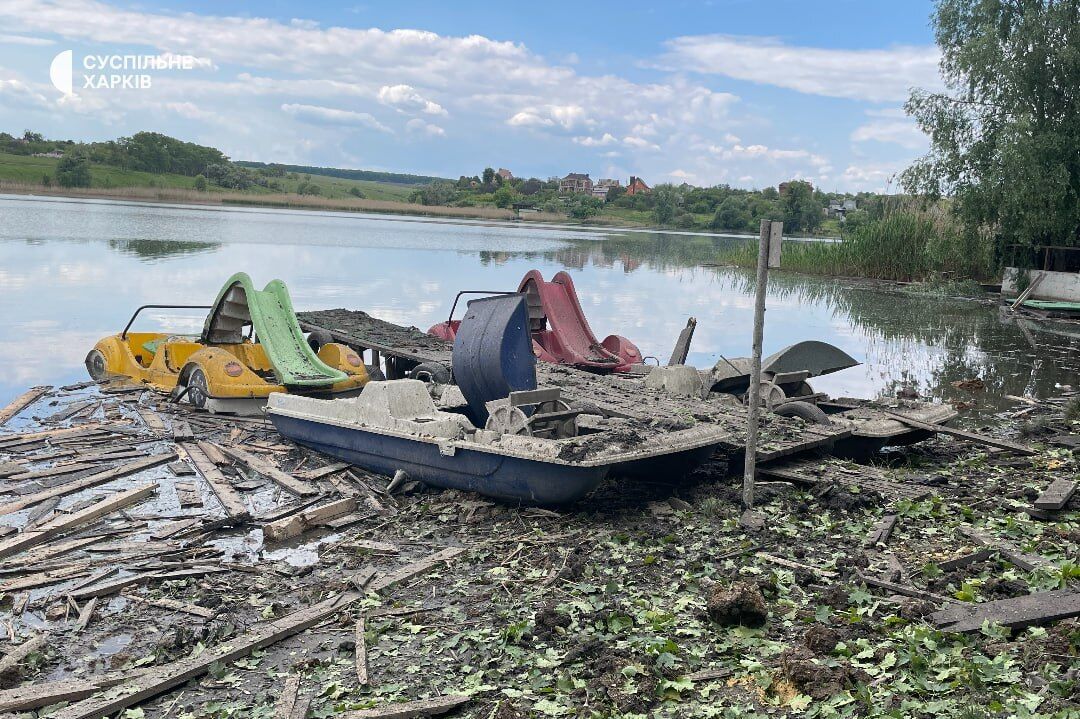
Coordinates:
<point>271,313</point>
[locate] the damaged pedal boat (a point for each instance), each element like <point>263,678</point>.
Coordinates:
<point>509,440</point>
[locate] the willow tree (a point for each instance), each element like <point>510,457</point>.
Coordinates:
<point>1005,132</point>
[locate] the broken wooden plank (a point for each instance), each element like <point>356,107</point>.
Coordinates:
<point>212,452</point>
<point>93,480</point>
<point>181,431</point>
<point>187,494</point>
<point>1057,495</point>
<point>789,564</point>
<point>1023,560</point>
<point>260,465</point>
<point>881,533</point>
<point>86,613</point>
<point>58,470</point>
<point>172,528</point>
<point>961,434</point>
<point>230,499</point>
<point>419,567</point>
<point>905,590</point>
<point>13,441</point>
<point>33,696</point>
<point>62,524</point>
<point>360,640</point>
<point>318,473</point>
<point>151,419</point>
<point>408,710</point>
<point>1015,613</point>
<point>23,401</point>
<point>181,468</point>
<point>965,560</point>
<point>174,605</point>
<point>286,703</point>
<point>297,524</point>
<point>9,665</point>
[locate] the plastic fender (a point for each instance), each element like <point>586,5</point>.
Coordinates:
<point>118,359</point>
<point>445,330</point>
<point>216,364</point>
<point>346,359</point>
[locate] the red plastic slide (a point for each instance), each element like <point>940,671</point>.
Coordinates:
<point>562,335</point>
<point>560,332</point>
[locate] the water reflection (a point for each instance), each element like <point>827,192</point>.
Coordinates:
<point>72,272</point>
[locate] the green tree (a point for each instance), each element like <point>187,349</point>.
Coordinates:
<point>799,209</point>
<point>73,171</point>
<point>585,206</point>
<point>667,201</point>
<point>731,214</point>
<point>505,196</point>
<point>1005,135</point>
<point>356,192</point>
<point>200,183</point>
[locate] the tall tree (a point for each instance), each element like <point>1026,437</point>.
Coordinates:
<point>1005,134</point>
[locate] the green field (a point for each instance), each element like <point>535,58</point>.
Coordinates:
<point>32,170</point>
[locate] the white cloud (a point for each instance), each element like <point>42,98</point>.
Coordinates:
<point>639,143</point>
<point>877,75</point>
<point>407,99</point>
<point>892,126</point>
<point>24,40</point>
<point>606,139</point>
<point>418,126</point>
<point>332,116</point>
<point>567,117</point>
<point>762,152</point>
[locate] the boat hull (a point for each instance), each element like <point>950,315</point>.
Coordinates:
<point>503,477</point>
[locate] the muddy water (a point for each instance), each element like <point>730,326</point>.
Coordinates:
<point>72,271</point>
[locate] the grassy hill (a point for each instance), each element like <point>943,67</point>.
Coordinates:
<point>32,170</point>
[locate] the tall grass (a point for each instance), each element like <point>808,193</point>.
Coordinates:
<point>906,244</point>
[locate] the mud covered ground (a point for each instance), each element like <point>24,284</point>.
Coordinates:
<point>642,600</point>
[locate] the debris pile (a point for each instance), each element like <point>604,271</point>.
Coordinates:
<point>170,562</point>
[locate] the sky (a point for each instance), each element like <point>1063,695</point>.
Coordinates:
<point>741,92</point>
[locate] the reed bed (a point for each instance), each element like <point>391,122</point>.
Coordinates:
<point>905,245</point>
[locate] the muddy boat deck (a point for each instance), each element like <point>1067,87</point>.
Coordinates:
<point>614,395</point>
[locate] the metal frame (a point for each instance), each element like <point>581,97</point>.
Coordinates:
<point>475,292</point>
<point>123,335</point>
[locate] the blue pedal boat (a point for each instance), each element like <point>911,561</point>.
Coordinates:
<point>526,445</point>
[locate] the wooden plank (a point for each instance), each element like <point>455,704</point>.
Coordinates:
<point>881,533</point>
<point>33,696</point>
<point>965,560</point>
<point>55,471</point>
<point>182,431</point>
<point>86,613</point>
<point>1057,495</point>
<point>230,499</point>
<point>905,590</point>
<point>1015,613</point>
<point>23,401</point>
<point>9,665</point>
<point>360,640</point>
<point>170,529</point>
<point>260,465</point>
<point>962,434</point>
<point>212,452</point>
<point>408,710</point>
<point>59,525</point>
<point>411,570</point>
<point>98,478</point>
<point>13,441</point>
<point>187,494</point>
<point>320,472</point>
<point>1023,560</point>
<point>174,605</point>
<point>151,419</point>
<point>286,703</point>
<point>781,561</point>
<point>297,524</point>
<point>68,411</point>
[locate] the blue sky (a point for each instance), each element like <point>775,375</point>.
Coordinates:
<point>747,93</point>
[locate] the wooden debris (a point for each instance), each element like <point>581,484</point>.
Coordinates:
<point>68,690</point>
<point>55,471</point>
<point>151,419</point>
<point>15,441</point>
<point>297,524</point>
<point>772,558</point>
<point>21,402</point>
<point>411,570</point>
<point>965,560</point>
<point>881,533</point>
<point>181,431</point>
<point>962,434</point>
<point>86,613</point>
<point>93,480</point>
<point>62,524</point>
<point>212,452</point>
<point>9,665</point>
<point>1015,613</point>
<point>1057,495</point>
<point>188,494</point>
<point>174,527</point>
<point>286,703</point>
<point>817,472</point>
<point>312,474</point>
<point>1027,562</point>
<point>181,468</point>
<point>407,710</point>
<point>230,499</point>
<point>69,411</point>
<point>906,590</point>
<point>361,652</point>
<point>260,465</point>
<point>177,606</point>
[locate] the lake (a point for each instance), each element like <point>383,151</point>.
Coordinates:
<point>74,270</point>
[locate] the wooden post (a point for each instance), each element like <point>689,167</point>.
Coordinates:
<point>769,230</point>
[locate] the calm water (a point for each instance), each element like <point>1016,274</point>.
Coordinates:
<point>73,271</point>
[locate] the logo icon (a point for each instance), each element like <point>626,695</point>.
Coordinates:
<point>60,72</point>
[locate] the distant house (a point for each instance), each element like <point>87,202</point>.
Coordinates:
<point>51,153</point>
<point>637,186</point>
<point>840,208</point>
<point>576,182</point>
<point>600,189</point>
<point>505,175</point>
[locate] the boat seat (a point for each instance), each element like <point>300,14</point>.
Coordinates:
<point>406,406</point>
